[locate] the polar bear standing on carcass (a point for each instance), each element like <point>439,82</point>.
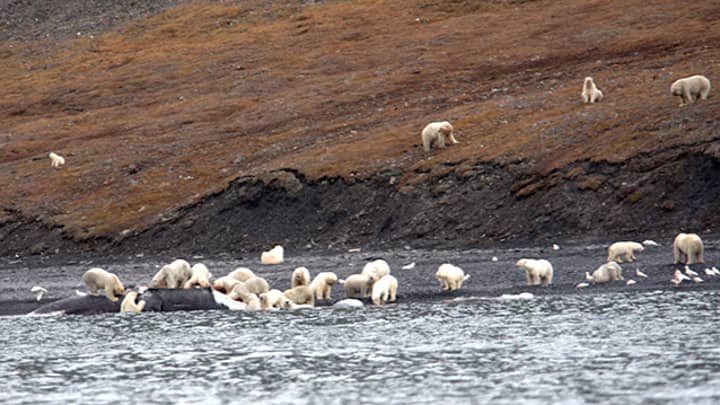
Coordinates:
<point>627,249</point>
<point>537,271</point>
<point>200,276</point>
<point>436,132</point>
<point>590,92</point>
<point>96,278</point>
<point>689,245</point>
<point>690,89</point>
<point>173,275</point>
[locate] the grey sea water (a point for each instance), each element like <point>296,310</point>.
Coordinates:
<point>614,348</point>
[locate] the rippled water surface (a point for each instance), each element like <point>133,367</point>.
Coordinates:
<point>620,348</point>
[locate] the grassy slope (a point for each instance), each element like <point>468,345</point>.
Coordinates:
<point>156,114</point>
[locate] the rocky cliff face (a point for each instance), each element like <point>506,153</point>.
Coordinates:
<point>211,127</point>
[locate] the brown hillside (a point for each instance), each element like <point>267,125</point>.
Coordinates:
<point>156,114</point>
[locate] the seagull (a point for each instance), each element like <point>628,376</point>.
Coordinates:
<point>494,258</point>
<point>697,279</point>
<point>690,272</point>
<point>716,271</point>
<point>408,266</point>
<point>649,242</point>
<point>39,292</point>
<point>640,273</point>
<point>555,246</point>
<point>679,277</point>
<point>582,285</point>
<point>630,282</point>
<point>709,272</point>
<point>80,293</point>
<point>588,277</point>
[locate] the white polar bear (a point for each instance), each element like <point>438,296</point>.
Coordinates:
<point>627,249</point>
<point>436,132</point>
<point>322,285</point>
<point>200,276</point>
<point>129,304</point>
<point>173,275</point>
<point>56,160</point>
<point>590,93</point>
<point>301,276</point>
<point>450,277</point>
<point>376,269</point>
<point>273,256</point>
<point>96,278</point>
<point>690,89</point>
<point>690,246</point>
<point>607,272</point>
<point>271,299</point>
<point>242,274</point>
<point>357,286</point>
<point>537,271</point>
<point>225,284</point>
<point>384,290</point>
<point>300,295</point>
<point>257,285</point>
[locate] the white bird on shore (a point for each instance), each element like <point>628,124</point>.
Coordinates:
<point>494,258</point>
<point>39,291</point>
<point>649,242</point>
<point>715,270</point>
<point>709,272</point>
<point>555,246</point>
<point>630,282</point>
<point>582,285</point>
<point>697,279</point>
<point>409,266</point>
<point>640,273</point>
<point>690,272</point>
<point>80,293</point>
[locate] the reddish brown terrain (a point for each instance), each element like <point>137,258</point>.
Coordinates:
<point>214,126</point>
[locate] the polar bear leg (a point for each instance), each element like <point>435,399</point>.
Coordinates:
<point>452,138</point>
<point>441,140</point>
<point>687,96</point>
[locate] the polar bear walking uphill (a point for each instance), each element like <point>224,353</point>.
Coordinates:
<point>537,271</point>
<point>450,277</point>
<point>590,92</point>
<point>96,278</point>
<point>437,132</point>
<point>689,245</point>
<point>619,249</point>
<point>56,160</point>
<point>690,89</point>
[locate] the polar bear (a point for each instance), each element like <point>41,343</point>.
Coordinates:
<point>271,299</point>
<point>301,276</point>
<point>690,89</point>
<point>257,285</point>
<point>242,274</point>
<point>450,277</point>
<point>384,290</point>
<point>129,304</point>
<point>173,275</point>
<point>97,278</point>
<point>273,256</point>
<point>56,160</point>
<point>357,286</point>
<point>590,93</point>
<point>225,284</point>
<point>200,276</point>
<point>322,285</point>
<point>690,246</point>
<point>289,304</point>
<point>610,271</point>
<point>627,249</point>
<point>436,132</point>
<point>376,269</point>
<point>300,295</point>
<point>537,271</point>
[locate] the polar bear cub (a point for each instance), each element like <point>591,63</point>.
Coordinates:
<point>590,92</point>
<point>450,277</point>
<point>437,132</point>
<point>690,246</point>
<point>273,256</point>
<point>619,249</point>
<point>357,286</point>
<point>242,274</point>
<point>690,89</point>
<point>200,276</point>
<point>537,271</point>
<point>301,276</point>
<point>607,272</point>
<point>56,160</point>
<point>173,275</point>
<point>129,304</point>
<point>322,285</point>
<point>96,278</point>
<point>384,290</point>
<point>376,269</point>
